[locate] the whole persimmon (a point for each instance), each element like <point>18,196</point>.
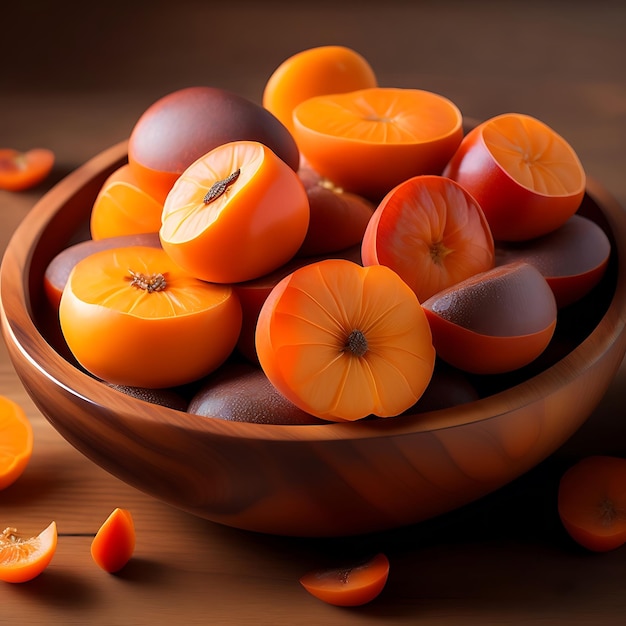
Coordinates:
<point>315,72</point>
<point>235,214</point>
<point>343,342</point>
<point>131,316</point>
<point>180,127</point>
<point>431,232</point>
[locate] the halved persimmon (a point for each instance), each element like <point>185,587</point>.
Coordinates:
<point>354,585</point>
<point>493,322</point>
<point>431,232</point>
<point>24,558</point>
<point>235,214</point>
<point>122,207</point>
<point>592,502</point>
<point>526,177</point>
<point>16,441</point>
<point>58,270</point>
<point>131,316</point>
<point>343,342</point>
<point>370,140</point>
<point>114,543</point>
<point>315,72</point>
<point>22,170</point>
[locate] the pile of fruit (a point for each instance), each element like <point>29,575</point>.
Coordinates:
<point>318,257</point>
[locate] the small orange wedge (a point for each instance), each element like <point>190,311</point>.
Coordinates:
<point>22,559</point>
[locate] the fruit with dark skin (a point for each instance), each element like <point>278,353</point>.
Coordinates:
<point>180,127</point>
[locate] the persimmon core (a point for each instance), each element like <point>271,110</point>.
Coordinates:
<point>608,512</point>
<point>438,252</point>
<point>356,343</point>
<point>219,188</point>
<point>147,282</point>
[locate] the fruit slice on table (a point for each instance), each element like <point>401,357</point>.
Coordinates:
<point>573,258</point>
<point>343,341</point>
<point>22,170</point>
<point>114,543</point>
<point>132,317</point>
<point>526,177</point>
<point>24,558</point>
<point>180,127</point>
<point>123,208</point>
<point>315,72</point>
<point>370,140</point>
<point>494,322</point>
<point>16,441</point>
<point>58,270</point>
<point>354,585</point>
<point>592,502</point>
<point>237,213</point>
<point>431,232</point>
<point>338,218</point>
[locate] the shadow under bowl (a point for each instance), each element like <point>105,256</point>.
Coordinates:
<point>308,480</point>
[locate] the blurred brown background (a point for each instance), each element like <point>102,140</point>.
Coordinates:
<point>564,62</point>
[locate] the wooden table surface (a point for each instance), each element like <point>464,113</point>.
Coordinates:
<point>76,82</point>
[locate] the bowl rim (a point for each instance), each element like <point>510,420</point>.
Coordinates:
<point>16,263</point>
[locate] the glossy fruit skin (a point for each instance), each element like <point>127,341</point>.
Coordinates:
<point>18,420</point>
<point>314,72</point>
<point>114,543</point>
<point>494,322</point>
<point>257,225</point>
<point>514,212</point>
<point>591,502</point>
<point>180,127</point>
<point>430,231</point>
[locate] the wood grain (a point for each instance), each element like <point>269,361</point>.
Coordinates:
<point>501,560</point>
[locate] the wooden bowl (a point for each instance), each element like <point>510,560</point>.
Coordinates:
<point>311,480</point>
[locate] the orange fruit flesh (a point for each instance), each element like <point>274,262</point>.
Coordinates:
<point>22,559</point>
<point>381,116</point>
<point>347,341</point>
<point>16,442</point>
<point>534,155</point>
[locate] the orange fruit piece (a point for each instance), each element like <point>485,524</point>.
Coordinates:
<point>343,341</point>
<point>131,316</point>
<point>114,543</point>
<point>237,213</point>
<point>315,72</point>
<point>21,558</point>
<point>592,502</point>
<point>526,177</point>
<point>370,140</point>
<point>16,441</point>
<point>123,208</point>
<point>349,586</point>
<point>431,232</point>
<point>22,170</point>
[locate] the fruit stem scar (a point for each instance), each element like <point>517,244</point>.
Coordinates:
<point>150,283</point>
<point>219,188</point>
<point>356,343</point>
